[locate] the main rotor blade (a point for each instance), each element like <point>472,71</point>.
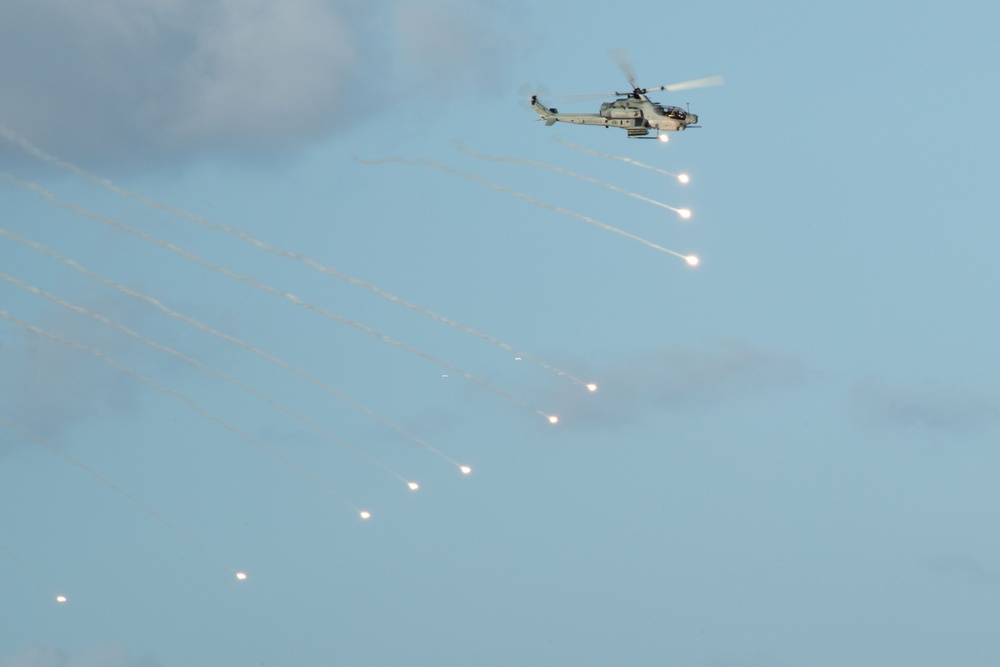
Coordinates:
<point>694,83</point>
<point>584,97</point>
<point>621,57</point>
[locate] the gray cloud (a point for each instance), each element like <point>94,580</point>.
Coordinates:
<point>679,377</point>
<point>753,659</point>
<point>168,79</point>
<point>452,45</point>
<point>948,407</point>
<point>107,656</point>
<point>962,567</point>
<point>48,386</point>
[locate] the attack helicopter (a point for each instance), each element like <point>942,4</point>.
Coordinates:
<point>632,111</point>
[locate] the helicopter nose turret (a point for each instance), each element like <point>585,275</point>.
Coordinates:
<point>692,119</point>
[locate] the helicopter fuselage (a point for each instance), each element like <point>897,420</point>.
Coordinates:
<point>636,114</point>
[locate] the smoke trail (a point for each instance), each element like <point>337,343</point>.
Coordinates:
<point>683,178</point>
<point>202,367</point>
<point>32,572</point>
<point>683,212</point>
<point>690,259</point>
<point>33,150</point>
<point>177,530</point>
<point>184,399</point>
<point>226,337</point>
<point>253,282</point>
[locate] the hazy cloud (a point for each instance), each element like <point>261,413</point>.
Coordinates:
<point>963,567</point>
<point>925,405</point>
<point>452,45</point>
<point>48,386</point>
<point>108,656</point>
<point>157,79</point>
<point>678,377</point>
<point>753,659</point>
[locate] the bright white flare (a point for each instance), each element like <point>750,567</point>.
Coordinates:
<point>465,469</point>
<point>664,138</point>
<point>60,598</point>
<point>591,387</point>
<point>241,575</point>
<point>692,260</point>
<point>684,213</point>
<point>365,514</point>
<point>413,486</point>
<point>683,178</point>
<point>553,419</point>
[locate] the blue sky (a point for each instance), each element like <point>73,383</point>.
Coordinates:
<point>790,457</point>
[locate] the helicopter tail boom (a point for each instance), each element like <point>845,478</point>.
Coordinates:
<point>552,115</point>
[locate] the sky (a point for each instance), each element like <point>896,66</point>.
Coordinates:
<point>261,267</point>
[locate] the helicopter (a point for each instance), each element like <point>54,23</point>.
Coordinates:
<point>632,111</point>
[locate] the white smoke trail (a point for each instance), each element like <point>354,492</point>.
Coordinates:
<point>201,367</point>
<point>683,212</point>
<point>253,282</point>
<point>28,569</point>
<point>177,530</point>
<point>188,401</point>
<point>621,158</point>
<point>690,259</point>
<point>36,152</point>
<point>45,250</point>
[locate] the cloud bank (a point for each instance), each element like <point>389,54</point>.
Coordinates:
<point>926,405</point>
<point>48,386</point>
<point>108,656</point>
<point>170,79</point>
<point>677,377</point>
